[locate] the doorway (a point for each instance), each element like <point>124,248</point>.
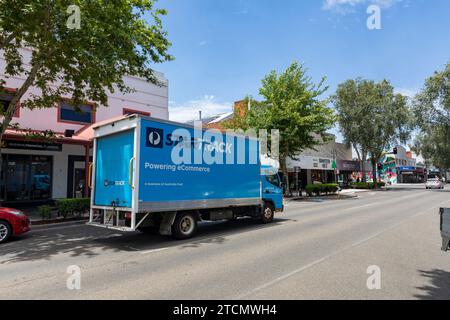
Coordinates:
<point>76,177</point>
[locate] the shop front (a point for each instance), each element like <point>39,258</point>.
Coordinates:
<point>346,170</point>
<point>34,171</point>
<point>26,177</point>
<point>309,170</point>
<point>407,175</point>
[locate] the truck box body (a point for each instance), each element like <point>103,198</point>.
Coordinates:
<point>134,169</point>
<point>153,174</point>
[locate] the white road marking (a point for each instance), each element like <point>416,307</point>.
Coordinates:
<point>154,250</point>
<point>318,261</point>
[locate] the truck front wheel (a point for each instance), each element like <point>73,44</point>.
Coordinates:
<point>184,226</point>
<point>268,213</point>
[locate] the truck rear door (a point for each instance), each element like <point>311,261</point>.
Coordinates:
<point>114,165</point>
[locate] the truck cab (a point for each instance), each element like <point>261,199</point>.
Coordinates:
<point>271,187</point>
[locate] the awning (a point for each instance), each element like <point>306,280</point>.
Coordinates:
<point>24,135</point>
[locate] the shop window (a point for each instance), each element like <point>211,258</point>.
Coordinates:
<point>83,114</point>
<point>26,178</point>
<point>5,99</point>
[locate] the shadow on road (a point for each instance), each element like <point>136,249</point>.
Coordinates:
<point>87,241</point>
<point>439,288</point>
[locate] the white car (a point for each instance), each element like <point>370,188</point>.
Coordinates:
<point>435,184</point>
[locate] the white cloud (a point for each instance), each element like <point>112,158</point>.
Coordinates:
<point>208,105</point>
<point>346,6</point>
<point>410,93</point>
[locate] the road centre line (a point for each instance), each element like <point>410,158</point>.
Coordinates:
<point>318,261</point>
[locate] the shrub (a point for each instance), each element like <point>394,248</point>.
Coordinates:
<point>366,185</point>
<point>331,188</point>
<point>318,189</point>
<point>72,206</point>
<point>45,212</point>
<point>312,189</point>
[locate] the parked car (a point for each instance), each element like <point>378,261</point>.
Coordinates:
<point>12,223</point>
<point>435,183</point>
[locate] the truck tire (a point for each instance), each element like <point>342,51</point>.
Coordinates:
<point>184,226</point>
<point>268,213</point>
<point>5,231</point>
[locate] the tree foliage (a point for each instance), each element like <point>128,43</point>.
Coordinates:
<point>114,40</point>
<point>291,104</point>
<point>372,118</point>
<point>434,146</point>
<point>432,115</point>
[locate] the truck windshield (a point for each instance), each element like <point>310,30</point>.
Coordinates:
<point>273,179</point>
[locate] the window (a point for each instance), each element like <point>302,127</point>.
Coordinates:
<point>127,111</point>
<point>26,178</point>
<point>5,99</point>
<point>81,114</point>
<point>273,179</point>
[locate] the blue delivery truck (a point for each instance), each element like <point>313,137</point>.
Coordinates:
<point>154,175</point>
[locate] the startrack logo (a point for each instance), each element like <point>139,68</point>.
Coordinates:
<point>155,138</point>
<point>110,183</point>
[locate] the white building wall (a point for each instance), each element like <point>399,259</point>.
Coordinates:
<point>147,98</point>
<point>330,150</point>
<point>402,160</point>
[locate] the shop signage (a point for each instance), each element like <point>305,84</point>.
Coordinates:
<point>348,165</point>
<point>311,163</point>
<point>31,145</point>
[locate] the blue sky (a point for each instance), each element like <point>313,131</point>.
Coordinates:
<point>223,48</point>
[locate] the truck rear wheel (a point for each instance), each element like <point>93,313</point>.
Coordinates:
<point>268,213</point>
<point>184,226</point>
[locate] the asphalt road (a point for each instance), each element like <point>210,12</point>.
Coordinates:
<point>315,250</point>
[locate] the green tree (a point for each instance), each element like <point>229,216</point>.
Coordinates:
<point>114,39</point>
<point>432,115</point>
<point>434,146</point>
<point>372,118</point>
<point>291,104</point>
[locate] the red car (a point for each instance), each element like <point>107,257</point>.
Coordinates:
<point>12,223</point>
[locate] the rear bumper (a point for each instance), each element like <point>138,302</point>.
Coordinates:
<point>111,227</point>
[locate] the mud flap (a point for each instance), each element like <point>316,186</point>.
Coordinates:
<point>165,228</point>
<point>445,243</point>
